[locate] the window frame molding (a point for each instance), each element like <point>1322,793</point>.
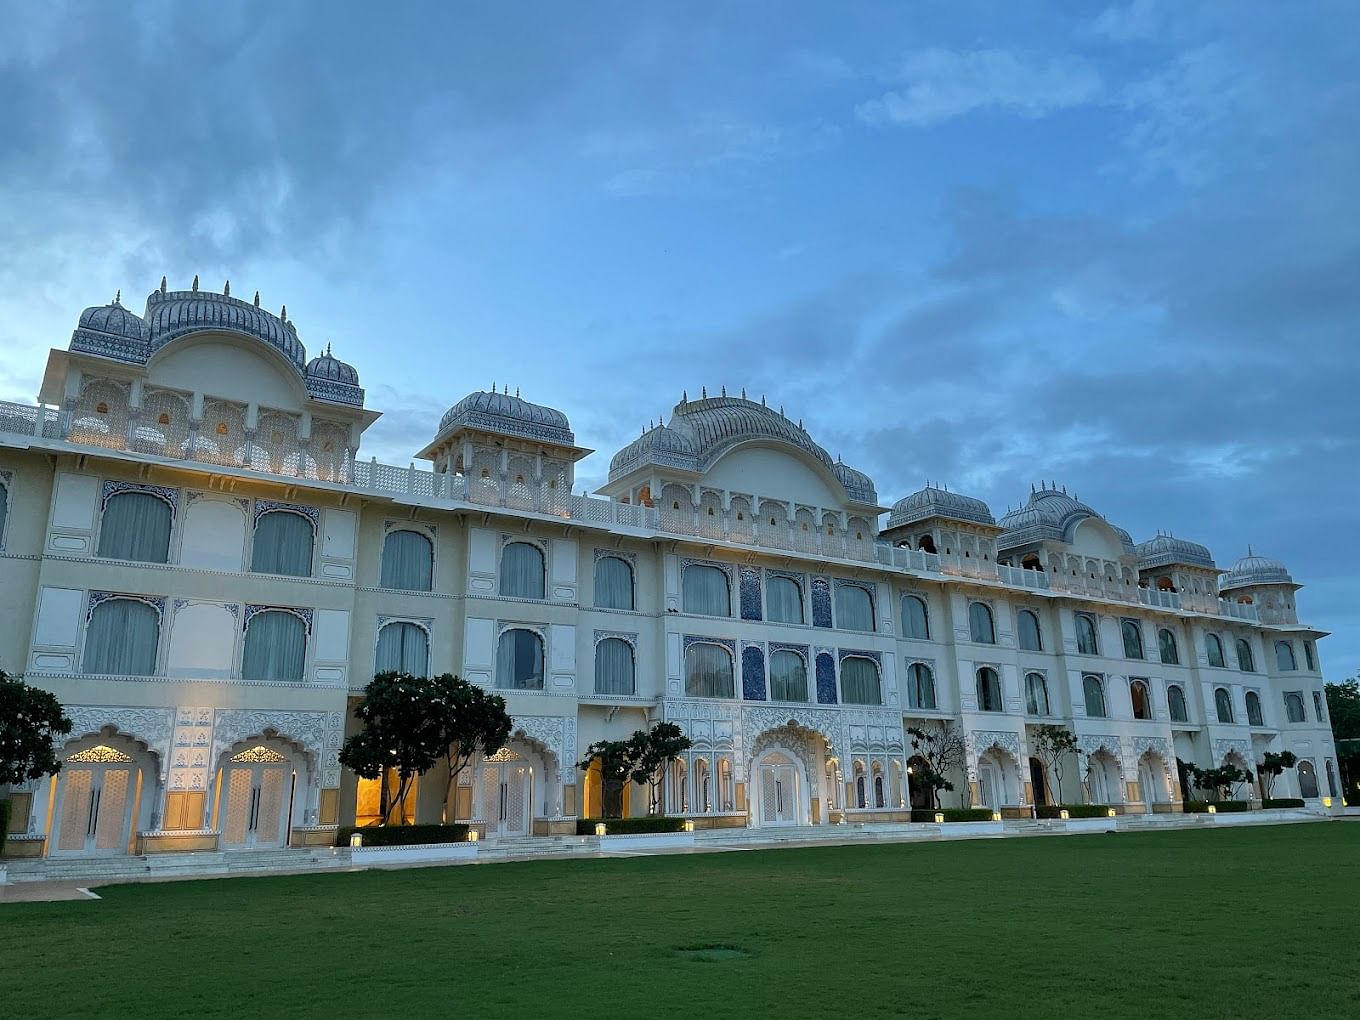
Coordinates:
<point>7,482</point>
<point>425,624</point>
<point>733,590</point>
<point>916,593</point>
<point>540,629</point>
<point>116,487</point>
<point>629,558</point>
<point>542,545</point>
<point>94,599</point>
<point>429,532</point>
<point>870,588</point>
<point>630,638</point>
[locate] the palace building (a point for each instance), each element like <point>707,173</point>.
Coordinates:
<point>197,559</point>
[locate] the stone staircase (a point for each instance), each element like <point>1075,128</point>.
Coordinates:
<point>528,847</point>
<point>219,862</point>
<point>777,834</point>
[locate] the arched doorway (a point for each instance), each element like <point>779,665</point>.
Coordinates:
<point>1308,785</point>
<point>99,795</point>
<point>257,783</point>
<point>780,788</point>
<point>1152,780</point>
<point>1102,778</point>
<point>1038,781</point>
<point>998,781</point>
<point>921,798</point>
<point>507,792</point>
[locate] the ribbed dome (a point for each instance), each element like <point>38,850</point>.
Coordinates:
<point>1167,549</point>
<point>114,320</point>
<point>332,369</point>
<point>1051,514</point>
<point>111,331</point>
<point>658,445</point>
<point>173,314</point>
<point>500,412</point>
<point>859,485</point>
<point>1252,569</point>
<point>936,502</point>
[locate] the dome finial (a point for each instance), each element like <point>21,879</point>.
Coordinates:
<point>328,348</point>
<point>743,393</point>
<point>1249,552</point>
<point>283,313</point>
<point>118,298</point>
<point>762,400</point>
<point>703,390</point>
<point>226,289</point>
<point>516,391</point>
<point>195,283</point>
<point>257,299</point>
<point>684,396</point>
<point>724,389</point>
<point>162,284</point>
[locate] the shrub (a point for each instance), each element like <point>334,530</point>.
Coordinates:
<point>1073,810</point>
<point>952,814</point>
<point>402,835</point>
<point>630,826</point>
<point>1282,802</point>
<point>4,822</point>
<point>1200,807</point>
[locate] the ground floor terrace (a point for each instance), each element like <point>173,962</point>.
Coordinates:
<point>1021,926</point>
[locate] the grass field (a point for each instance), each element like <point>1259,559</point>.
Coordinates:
<point>1258,921</point>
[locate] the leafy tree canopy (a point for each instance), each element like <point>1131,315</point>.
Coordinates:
<point>30,721</point>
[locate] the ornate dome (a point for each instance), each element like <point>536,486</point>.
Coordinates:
<point>1167,549</point>
<point>1051,514</point>
<point>111,331</point>
<point>936,502</point>
<point>859,485</point>
<point>507,415</point>
<point>333,369</point>
<point>176,313</point>
<point>658,445</point>
<point>1252,569</point>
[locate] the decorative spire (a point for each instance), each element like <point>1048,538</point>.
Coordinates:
<point>226,289</point>
<point>800,423</point>
<point>328,348</point>
<point>1249,552</point>
<point>283,312</point>
<point>704,391</point>
<point>118,298</point>
<point>781,410</point>
<point>684,396</point>
<point>517,391</point>
<point>493,385</point>
<point>743,393</point>
<point>257,299</point>
<point>195,283</point>
<point>724,389</point>
<point>762,400</point>
<point>162,284</point>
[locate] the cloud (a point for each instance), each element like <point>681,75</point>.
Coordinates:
<point>939,85</point>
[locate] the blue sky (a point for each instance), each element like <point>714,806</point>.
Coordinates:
<point>984,243</point>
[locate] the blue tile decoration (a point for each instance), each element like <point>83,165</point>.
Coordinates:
<point>826,679</point>
<point>821,601</point>
<point>750,593</point>
<point>752,671</point>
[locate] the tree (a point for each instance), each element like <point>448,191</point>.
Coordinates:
<point>943,750</point>
<point>470,722</point>
<point>402,733</point>
<point>618,761</point>
<point>1052,744</point>
<point>30,721</point>
<point>1343,707</point>
<point>1270,767</point>
<point>1220,783</point>
<point>653,750</point>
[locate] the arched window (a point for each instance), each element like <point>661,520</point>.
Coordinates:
<point>522,572</point>
<point>1223,705</point>
<point>282,544</point>
<point>121,638</point>
<point>880,800</point>
<point>4,510</point>
<point>1213,647</point>
<point>915,617</point>
<point>988,690</point>
<point>1307,645</point>
<point>859,681</point>
<point>1133,638</point>
<point>136,526</point>
<point>854,608</point>
<point>1246,662</point>
<point>705,590</point>
<point>1086,635</point>
<point>1308,787</point>
<point>1175,701</point>
<point>788,676</point>
<point>1254,714</point>
<point>403,647</point>
<point>615,670</point>
<point>1166,642</point>
<point>1027,628</point>
<point>1293,706</point>
<point>1141,698</point>
<point>407,561</point>
<point>1284,656</point>
<point>275,646</point>
<point>1094,691</point>
<point>783,600</point>
<point>921,687</point>
<point>709,672</point>
<point>1036,694</point>
<point>980,623</point>
<point>519,660</point>
<point>613,583</point>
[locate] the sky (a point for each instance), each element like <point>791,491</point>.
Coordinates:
<point>981,243</point>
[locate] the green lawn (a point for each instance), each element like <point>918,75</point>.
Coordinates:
<point>1258,921</point>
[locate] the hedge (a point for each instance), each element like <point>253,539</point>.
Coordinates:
<point>1073,810</point>
<point>402,835</point>
<point>1282,802</point>
<point>4,822</point>
<point>1201,807</point>
<point>952,814</point>
<point>630,826</point>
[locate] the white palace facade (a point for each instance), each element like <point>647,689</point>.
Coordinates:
<point>196,558</point>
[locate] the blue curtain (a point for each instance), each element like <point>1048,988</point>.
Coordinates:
<point>614,667</point>
<point>403,647</point>
<point>522,574</point>
<point>859,681</point>
<point>613,583</point>
<point>788,677</point>
<point>1095,696</point>
<point>915,620</point>
<point>980,624</point>
<point>121,638</point>
<point>709,672</point>
<point>920,686</point>
<point>283,544</point>
<point>276,646</point>
<point>705,591</point>
<point>1133,639</point>
<point>519,661</point>
<point>134,526</point>
<point>1166,641</point>
<point>1175,699</point>
<point>784,600</point>
<point>407,561</point>
<point>1030,639</point>
<point>1086,635</point>
<point>854,609</point>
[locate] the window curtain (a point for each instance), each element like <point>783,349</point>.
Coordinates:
<point>4,508</point>
<point>1167,641</point>
<point>784,600</point>
<point>135,526</point>
<point>519,659</point>
<point>1086,636</point>
<point>859,681</point>
<point>705,591</point>
<point>1254,716</point>
<point>1095,697</point>
<point>788,677</point>
<point>283,544</point>
<point>613,584</point>
<point>915,621</point>
<point>121,638</point>
<point>1245,660</point>
<point>1175,698</point>
<point>708,671</point>
<point>1224,705</point>
<point>522,571</point>
<point>989,691</point>
<point>614,669</point>
<point>407,561</point>
<point>1293,706</point>
<point>1215,649</point>
<point>854,610</point>
<point>980,624</point>
<point>1029,632</point>
<point>1036,694</point>
<point>403,648</point>
<point>920,686</point>
<point>276,645</point>
<point>1284,656</point>
<point>1133,640</point>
